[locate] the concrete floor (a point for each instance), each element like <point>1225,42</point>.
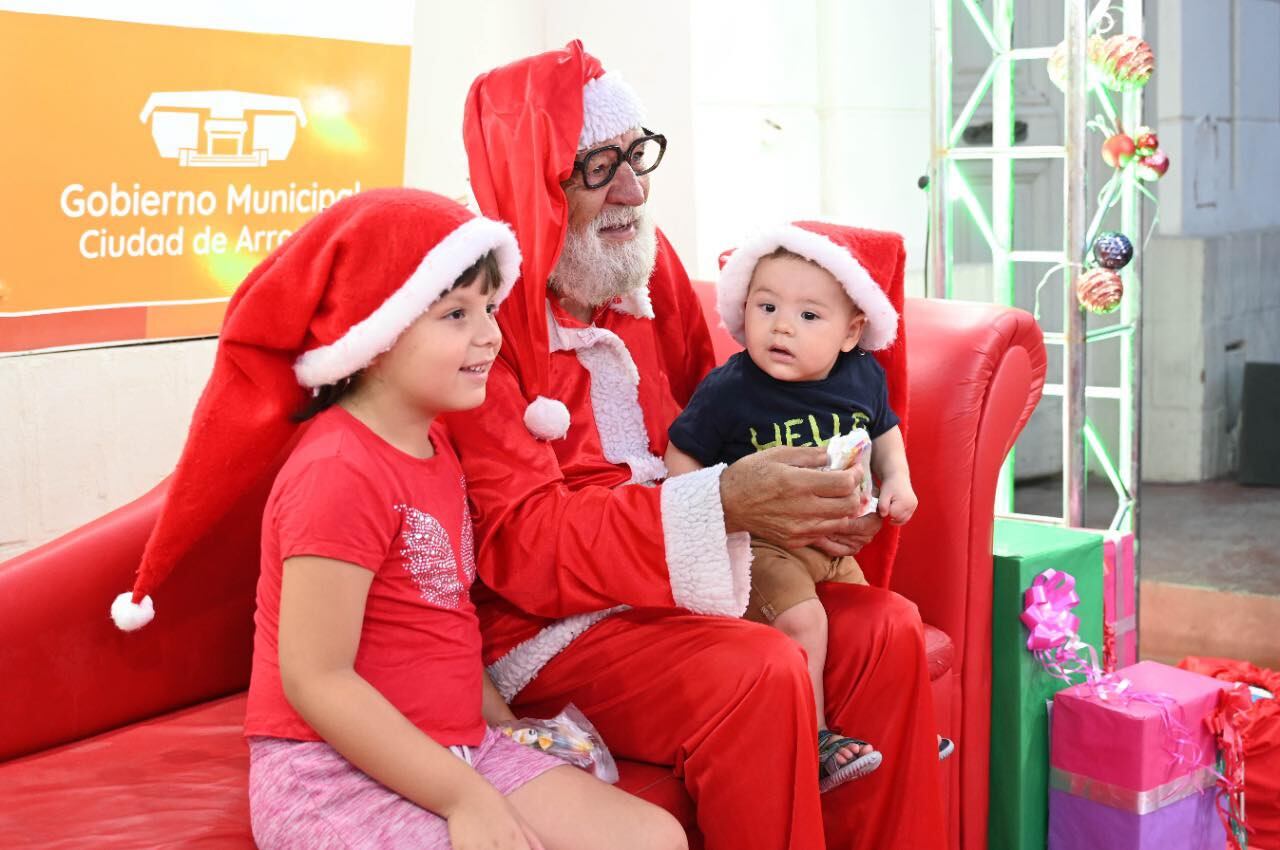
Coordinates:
<point>1209,565</point>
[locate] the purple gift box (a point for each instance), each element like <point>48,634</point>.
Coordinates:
<point>1114,782</point>
<point>1077,823</point>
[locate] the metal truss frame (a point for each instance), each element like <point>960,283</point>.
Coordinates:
<point>1081,440</point>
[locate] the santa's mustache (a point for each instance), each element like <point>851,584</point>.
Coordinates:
<point>610,217</point>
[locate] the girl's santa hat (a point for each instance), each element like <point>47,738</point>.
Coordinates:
<point>867,263</point>
<point>320,308</point>
<point>523,125</point>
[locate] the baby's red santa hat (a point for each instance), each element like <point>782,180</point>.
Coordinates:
<point>320,308</point>
<point>523,125</point>
<point>867,263</point>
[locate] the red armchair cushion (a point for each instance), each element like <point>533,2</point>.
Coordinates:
<point>180,778</point>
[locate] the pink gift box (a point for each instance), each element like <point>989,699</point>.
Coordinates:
<point>1119,602</point>
<point>1124,744</point>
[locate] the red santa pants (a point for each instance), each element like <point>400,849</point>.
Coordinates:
<point>728,703</point>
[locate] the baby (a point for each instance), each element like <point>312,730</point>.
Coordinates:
<point>801,300</point>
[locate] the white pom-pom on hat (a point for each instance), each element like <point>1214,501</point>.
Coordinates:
<point>129,616</point>
<point>547,418</point>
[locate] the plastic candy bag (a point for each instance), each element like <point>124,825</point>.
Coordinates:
<point>568,736</point>
<point>843,451</point>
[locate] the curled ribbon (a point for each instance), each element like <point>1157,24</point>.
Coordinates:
<point>1056,644</point>
<point>1225,724</point>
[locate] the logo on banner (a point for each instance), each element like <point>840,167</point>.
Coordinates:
<point>223,129</point>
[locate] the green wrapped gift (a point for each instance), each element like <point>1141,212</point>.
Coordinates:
<point>1020,687</point>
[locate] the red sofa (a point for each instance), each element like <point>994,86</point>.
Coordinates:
<point>110,739</point>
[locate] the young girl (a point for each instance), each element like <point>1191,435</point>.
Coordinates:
<point>368,703</point>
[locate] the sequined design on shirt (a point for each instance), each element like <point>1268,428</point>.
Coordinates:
<point>468,536</point>
<point>429,558</point>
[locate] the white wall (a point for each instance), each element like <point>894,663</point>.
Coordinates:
<point>1219,115</point>
<point>796,115</point>
<point>455,42</point>
<point>84,432</point>
<point>1213,275</point>
<point>1213,304</point>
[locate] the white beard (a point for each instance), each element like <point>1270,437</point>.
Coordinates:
<point>594,271</point>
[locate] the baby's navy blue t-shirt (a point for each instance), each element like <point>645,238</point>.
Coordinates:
<point>739,409</point>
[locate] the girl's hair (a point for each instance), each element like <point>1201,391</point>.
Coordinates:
<point>328,395</point>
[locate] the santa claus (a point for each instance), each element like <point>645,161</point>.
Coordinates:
<point>606,585</point>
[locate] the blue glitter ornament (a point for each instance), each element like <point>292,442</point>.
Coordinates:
<point>1112,250</point>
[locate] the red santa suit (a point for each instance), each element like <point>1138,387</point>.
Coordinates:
<point>585,551</point>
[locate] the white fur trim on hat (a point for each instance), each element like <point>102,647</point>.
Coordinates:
<point>434,276</point>
<point>610,107</point>
<point>735,278</point>
<point>547,418</point>
<point>130,616</point>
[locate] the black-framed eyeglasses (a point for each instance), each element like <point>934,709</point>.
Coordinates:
<point>599,166</point>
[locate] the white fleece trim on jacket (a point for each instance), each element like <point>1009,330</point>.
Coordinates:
<point>710,570</point>
<point>513,671</point>
<point>615,397</point>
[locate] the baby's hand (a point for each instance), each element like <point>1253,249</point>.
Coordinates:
<point>897,500</point>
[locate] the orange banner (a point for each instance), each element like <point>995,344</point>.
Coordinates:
<point>147,169</point>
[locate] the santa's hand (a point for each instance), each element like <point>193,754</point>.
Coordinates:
<point>842,545</point>
<point>784,496</point>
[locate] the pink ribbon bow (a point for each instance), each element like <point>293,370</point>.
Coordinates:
<point>1049,601</point>
<point>1055,642</point>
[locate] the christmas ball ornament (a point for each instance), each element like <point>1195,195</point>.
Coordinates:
<point>1152,168</point>
<point>1112,250</point>
<point>1126,62</point>
<point>1099,290</point>
<point>1118,151</point>
<point>1057,65</point>
<point>1146,141</point>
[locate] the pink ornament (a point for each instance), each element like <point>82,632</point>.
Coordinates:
<point>1153,167</point>
<point>1126,62</point>
<point>1099,290</point>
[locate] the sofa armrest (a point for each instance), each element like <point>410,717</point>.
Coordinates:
<point>976,372</point>
<point>73,674</point>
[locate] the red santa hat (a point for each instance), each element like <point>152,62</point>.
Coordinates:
<point>320,308</point>
<point>523,125</point>
<point>867,263</point>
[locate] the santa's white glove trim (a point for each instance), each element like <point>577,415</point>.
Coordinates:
<point>710,569</point>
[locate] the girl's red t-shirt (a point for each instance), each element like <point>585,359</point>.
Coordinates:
<point>346,494</point>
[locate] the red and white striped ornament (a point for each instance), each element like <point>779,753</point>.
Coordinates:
<point>1099,290</point>
<point>1126,62</point>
